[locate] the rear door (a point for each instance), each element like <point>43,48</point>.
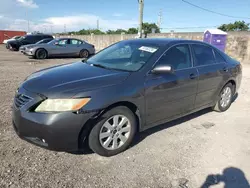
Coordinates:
<point>74,47</point>
<point>211,71</point>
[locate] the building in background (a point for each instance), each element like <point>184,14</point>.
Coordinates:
<point>6,34</point>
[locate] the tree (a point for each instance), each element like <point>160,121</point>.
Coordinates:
<point>236,26</point>
<point>118,31</point>
<point>132,30</point>
<point>147,27</point>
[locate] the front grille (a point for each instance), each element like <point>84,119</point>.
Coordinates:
<point>21,100</point>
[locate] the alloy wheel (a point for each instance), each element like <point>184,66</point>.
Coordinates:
<point>115,132</point>
<point>226,97</point>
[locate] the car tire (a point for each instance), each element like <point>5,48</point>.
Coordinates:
<point>109,142</point>
<point>41,54</point>
<point>84,54</point>
<point>225,98</point>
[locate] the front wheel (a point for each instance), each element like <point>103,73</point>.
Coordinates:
<point>225,98</point>
<point>41,54</point>
<point>114,132</point>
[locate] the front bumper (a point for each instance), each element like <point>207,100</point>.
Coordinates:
<point>54,131</point>
<point>28,52</point>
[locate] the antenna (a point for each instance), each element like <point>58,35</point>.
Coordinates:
<point>97,24</point>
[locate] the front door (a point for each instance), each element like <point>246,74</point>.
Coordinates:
<point>61,48</point>
<point>171,94</point>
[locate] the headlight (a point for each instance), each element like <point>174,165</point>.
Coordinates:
<point>62,105</point>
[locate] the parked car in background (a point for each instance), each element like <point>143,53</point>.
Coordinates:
<point>62,47</point>
<point>130,86</point>
<point>44,41</point>
<point>10,39</point>
<point>27,39</point>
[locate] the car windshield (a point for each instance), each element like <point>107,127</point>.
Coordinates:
<point>53,41</point>
<point>126,56</point>
<point>42,41</point>
<point>21,38</point>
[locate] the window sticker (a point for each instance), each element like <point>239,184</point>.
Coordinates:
<point>148,49</point>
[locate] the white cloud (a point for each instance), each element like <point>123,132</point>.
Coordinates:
<point>89,21</point>
<point>117,15</point>
<point>27,3</point>
<point>1,16</point>
<point>72,23</point>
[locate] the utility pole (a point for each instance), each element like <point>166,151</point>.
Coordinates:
<point>64,28</point>
<point>28,22</point>
<point>97,24</point>
<point>141,5</point>
<point>160,19</point>
<point>28,26</point>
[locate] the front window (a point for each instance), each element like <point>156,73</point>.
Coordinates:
<point>178,57</point>
<point>63,42</point>
<point>127,56</point>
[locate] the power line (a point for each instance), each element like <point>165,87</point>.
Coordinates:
<point>189,27</point>
<point>211,11</point>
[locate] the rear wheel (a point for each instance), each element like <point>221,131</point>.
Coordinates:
<point>41,54</point>
<point>84,54</point>
<point>225,98</point>
<point>114,132</point>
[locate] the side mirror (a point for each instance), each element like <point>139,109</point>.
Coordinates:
<point>161,69</point>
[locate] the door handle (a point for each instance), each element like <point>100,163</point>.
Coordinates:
<point>225,69</point>
<point>192,76</point>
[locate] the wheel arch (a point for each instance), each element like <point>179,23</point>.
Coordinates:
<point>233,82</point>
<point>83,50</point>
<point>41,48</point>
<point>82,141</point>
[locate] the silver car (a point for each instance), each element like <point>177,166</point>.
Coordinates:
<point>62,47</point>
<point>23,47</point>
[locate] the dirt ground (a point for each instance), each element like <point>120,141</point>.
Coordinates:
<point>206,147</point>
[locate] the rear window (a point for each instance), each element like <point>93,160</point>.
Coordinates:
<point>203,55</point>
<point>218,57</point>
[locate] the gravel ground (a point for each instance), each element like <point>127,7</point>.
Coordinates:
<point>206,146</point>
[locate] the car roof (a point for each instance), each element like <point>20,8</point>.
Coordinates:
<point>163,41</point>
<point>39,35</point>
<point>67,38</point>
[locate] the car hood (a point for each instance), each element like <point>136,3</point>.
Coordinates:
<point>8,40</point>
<point>69,79</point>
<point>28,45</point>
<point>40,45</point>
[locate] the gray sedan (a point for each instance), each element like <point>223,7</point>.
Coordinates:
<point>63,47</point>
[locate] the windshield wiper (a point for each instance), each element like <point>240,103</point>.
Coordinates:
<point>104,67</point>
<point>84,60</point>
<point>99,65</point>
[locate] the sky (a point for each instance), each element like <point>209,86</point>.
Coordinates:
<point>73,15</point>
